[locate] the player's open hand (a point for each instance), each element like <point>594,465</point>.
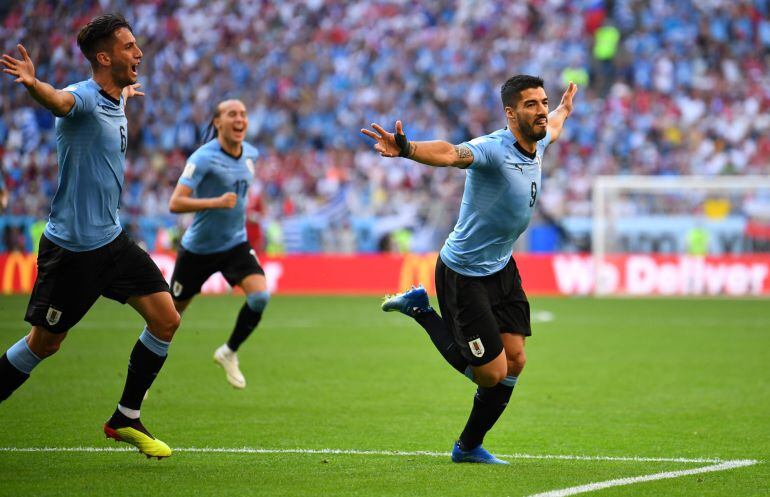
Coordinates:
<point>227,200</point>
<point>131,91</point>
<point>566,99</point>
<point>23,69</point>
<point>385,142</point>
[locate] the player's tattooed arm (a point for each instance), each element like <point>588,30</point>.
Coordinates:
<point>439,153</point>
<point>435,153</point>
<point>464,156</point>
<point>412,150</point>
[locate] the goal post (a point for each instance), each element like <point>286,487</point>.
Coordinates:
<point>681,235</point>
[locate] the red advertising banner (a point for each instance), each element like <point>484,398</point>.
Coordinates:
<point>559,274</point>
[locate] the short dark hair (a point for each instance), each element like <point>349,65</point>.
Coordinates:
<point>93,37</point>
<point>511,89</point>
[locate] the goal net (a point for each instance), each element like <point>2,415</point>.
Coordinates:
<point>681,235</point>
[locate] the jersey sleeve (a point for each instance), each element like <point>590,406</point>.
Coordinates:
<point>194,171</point>
<point>85,99</point>
<point>486,151</point>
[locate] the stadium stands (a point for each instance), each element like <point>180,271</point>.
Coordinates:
<point>668,88</point>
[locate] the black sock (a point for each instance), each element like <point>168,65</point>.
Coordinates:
<point>488,405</point>
<point>442,339</point>
<point>246,323</point>
<point>10,378</point>
<point>120,420</point>
<point>143,367</point>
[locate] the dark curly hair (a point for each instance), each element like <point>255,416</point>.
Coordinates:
<point>511,89</point>
<point>95,36</point>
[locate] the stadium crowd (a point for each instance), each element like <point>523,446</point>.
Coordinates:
<point>667,88</point>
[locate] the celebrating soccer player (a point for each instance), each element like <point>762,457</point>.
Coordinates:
<point>484,311</point>
<point>84,252</point>
<point>214,185</point>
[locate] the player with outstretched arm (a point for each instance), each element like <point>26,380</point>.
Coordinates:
<point>485,315</point>
<point>84,252</point>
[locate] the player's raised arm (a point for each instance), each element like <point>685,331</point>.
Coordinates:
<point>560,114</point>
<point>436,153</point>
<point>57,101</point>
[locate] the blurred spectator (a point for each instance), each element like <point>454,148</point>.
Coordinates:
<point>697,241</point>
<point>274,239</point>
<point>36,230</point>
<point>255,211</point>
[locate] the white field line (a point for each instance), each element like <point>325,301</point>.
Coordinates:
<point>714,463</point>
<point>253,450</point>
<point>590,487</point>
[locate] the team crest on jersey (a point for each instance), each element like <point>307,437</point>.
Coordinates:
<point>250,165</point>
<point>52,316</point>
<point>189,170</point>
<point>477,348</point>
<point>176,289</point>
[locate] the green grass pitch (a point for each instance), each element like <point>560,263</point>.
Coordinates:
<point>647,378</point>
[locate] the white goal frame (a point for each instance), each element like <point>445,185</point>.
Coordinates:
<point>606,186</point>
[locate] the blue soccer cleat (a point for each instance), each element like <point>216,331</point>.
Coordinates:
<point>477,455</point>
<point>411,303</point>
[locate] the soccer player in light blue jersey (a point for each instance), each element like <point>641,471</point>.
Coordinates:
<point>84,252</point>
<point>215,185</point>
<point>484,311</point>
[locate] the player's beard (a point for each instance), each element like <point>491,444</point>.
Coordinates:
<point>122,75</point>
<point>528,129</point>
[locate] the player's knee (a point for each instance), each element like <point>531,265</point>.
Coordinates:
<point>176,320</point>
<point>257,301</point>
<point>516,363</point>
<point>181,305</point>
<point>490,377</point>
<point>46,349</point>
<point>172,323</point>
<point>165,326</point>
<point>43,343</point>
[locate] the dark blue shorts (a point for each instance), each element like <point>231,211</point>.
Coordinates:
<point>192,270</point>
<point>478,309</point>
<point>68,283</point>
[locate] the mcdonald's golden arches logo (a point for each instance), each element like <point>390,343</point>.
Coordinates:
<point>418,269</point>
<point>22,264</point>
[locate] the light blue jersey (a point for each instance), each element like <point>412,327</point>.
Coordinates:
<point>212,172</point>
<point>501,188</point>
<point>91,145</point>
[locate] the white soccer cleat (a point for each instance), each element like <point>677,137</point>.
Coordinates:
<point>229,362</point>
